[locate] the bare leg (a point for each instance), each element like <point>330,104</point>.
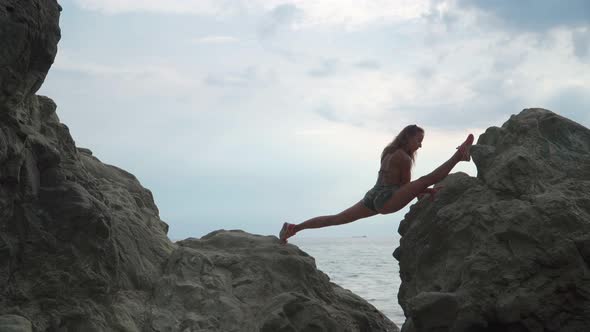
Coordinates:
<point>355,212</point>
<point>411,190</point>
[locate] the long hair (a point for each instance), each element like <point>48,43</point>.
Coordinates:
<point>401,141</point>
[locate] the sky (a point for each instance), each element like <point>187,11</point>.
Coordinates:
<point>244,114</point>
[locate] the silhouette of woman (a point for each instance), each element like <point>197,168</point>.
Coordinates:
<point>394,188</point>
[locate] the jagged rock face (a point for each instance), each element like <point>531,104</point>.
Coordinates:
<point>508,250</point>
<point>73,231</point>
<point>28,44</point>
<point>82,246</point>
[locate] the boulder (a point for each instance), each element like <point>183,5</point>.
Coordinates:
<point>245,282</point>
<point>511,246</point>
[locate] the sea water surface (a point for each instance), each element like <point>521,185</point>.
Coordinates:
<point>363,265</point>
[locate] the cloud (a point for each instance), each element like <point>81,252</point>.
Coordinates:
<point>368,65</point>
<point>215,40</point>
<point>471,113</point>
<point>350,14</point>
<point>326,68</point>
<point>155,79</point>
<point>181,7</point>
<point>425,72</point>
<point>534,15</point>
<point>581,43</point>
<point>441,12</point>
<point>572,102</point>
<point>328,113</point>
<point>281,16</point>
<point>244,78</point>
<point>508,62</point>
<point>239,79</point>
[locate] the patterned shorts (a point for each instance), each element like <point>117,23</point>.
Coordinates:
<point>378,195</point>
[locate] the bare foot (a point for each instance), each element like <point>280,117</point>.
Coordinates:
<point>465,147</point>
<point>286,232</point>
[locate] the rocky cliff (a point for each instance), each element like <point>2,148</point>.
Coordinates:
<point>510,249</point>
<point>82,246</point>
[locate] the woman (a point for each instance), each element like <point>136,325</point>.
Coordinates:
<point>393,189</point>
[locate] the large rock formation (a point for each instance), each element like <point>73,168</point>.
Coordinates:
<point>82,247</point>
<point>510,249</point>
<point>234,281</point>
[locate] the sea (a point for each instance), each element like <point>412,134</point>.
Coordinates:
<point>361,264</point>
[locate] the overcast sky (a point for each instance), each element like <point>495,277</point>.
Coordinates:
<point>243,114</point>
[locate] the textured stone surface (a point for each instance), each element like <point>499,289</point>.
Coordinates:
<point>82,246</point>
<point>512,245</point>
<point>245,282</point>
<point>29,33</point>
<point>14,323</point>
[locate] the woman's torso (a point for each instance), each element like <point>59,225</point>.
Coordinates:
<point>390,171</point>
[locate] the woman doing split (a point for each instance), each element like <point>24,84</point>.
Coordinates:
<point>394,188</point>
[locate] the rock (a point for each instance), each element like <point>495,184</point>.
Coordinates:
<point>82,245</point>
<point>28,45</point>
<point>433,310</point>
<point>14,323</point>
<point>273,287</point>
<point>510,246</point>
